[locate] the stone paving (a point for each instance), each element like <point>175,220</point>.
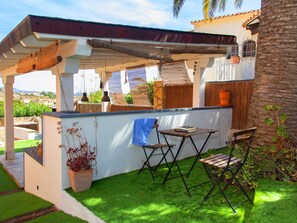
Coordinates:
<point>15,168</point>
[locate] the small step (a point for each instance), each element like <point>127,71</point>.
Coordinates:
<point>31,215</point>
<point>11,191</point>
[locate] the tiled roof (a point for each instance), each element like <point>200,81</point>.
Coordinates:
<point>255,15</point>
<point>256,12</point>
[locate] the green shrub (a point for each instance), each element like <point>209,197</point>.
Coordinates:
<point>95,97</point>
<point>277,160</point>
<point>48,94</point>
<point>1,108</point>
<point>20,109</point>
<point>128,98</point>
<point>151,91</point>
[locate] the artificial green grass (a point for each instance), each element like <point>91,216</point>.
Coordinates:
<point>19,203</point>
<point>275,201</point>
<point>19,146</point>
<point>6,183</point>
<point>136,198</point>
<point>57,216</point>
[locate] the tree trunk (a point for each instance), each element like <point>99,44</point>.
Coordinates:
<point>276,66</point>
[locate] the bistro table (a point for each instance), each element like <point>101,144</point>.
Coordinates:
<point>184,135</point>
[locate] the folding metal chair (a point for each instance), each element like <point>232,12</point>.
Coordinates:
<point>217,166</point>
<point>151,150</point>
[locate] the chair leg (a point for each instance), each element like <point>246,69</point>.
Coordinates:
<point>239,184</point>
<point>163,158</point>
<point>165,154</point>
<point>147,163</point>
<point>209,174</point>
<point>226,198</point>
<point>216,182</point>
<point>144,163</point>
<point>242,189</point>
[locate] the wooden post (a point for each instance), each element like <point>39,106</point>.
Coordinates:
<point>8,117</point>
<point>158,94</point>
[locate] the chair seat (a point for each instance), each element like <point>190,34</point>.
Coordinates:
<point>158,145</point>
<point>220,160</point>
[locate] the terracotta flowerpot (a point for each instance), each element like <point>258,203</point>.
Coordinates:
<point>80,180</point>
<point>235,59</point>
<point>224,98</point>
<point>39,151</point>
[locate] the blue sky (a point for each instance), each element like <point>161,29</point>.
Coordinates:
<point>147,13</point>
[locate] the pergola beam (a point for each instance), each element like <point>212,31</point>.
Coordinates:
<point>124,66</point>
<point>125,50</point>
<point>199,51</point>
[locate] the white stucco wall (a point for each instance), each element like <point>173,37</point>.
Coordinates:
<point>230,25</point>
<point>113,136</point>
<point>45,180</point>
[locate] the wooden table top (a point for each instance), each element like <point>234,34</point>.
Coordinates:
<point>198,131</point>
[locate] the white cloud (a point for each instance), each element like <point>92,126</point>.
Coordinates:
<point>140,12</point>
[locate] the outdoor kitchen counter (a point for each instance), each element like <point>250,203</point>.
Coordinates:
<point>71,114</point>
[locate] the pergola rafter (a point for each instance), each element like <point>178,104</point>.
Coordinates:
<point>32,45</point>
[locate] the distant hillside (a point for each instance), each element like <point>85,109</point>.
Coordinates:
<point>15,90</point>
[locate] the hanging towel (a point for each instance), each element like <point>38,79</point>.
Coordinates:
<point>141,130</point>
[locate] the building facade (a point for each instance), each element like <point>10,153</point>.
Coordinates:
<point>239,63</point>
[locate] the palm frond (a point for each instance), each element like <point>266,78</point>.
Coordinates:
<point>238,3</point>
<point>211,6</point>
<point>206,9</point>
<point>177,5</point>
<point>222,5</point>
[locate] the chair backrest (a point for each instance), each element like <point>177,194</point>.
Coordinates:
<point>244,138</point>
<point>156,126</point>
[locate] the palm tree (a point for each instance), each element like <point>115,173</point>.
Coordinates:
<point>209,6</point>
<point>276,61</point>
<point>276,65</point>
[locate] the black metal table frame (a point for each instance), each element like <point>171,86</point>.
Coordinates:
<point>184,137</point>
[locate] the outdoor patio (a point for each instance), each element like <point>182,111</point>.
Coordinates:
<point>133,197</point>
<point>118,193</point>
<point>136,197</point>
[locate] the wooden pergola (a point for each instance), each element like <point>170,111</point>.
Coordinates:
<point>64,46</point>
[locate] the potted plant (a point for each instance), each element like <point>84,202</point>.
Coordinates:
<point>224,97</point>
<point>39,149</point>
<point>81,157</point>
<point>235,59</point>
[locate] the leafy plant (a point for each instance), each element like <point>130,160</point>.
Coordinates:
<point>128,98</point>
<point>49,94</point>
<point>80,155</point>
<point>20,109</point>
<point>1,109</point>
<point>277,160</point>
<point>282,152</point>
<point>95,97</point>
<point>151,91</point>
